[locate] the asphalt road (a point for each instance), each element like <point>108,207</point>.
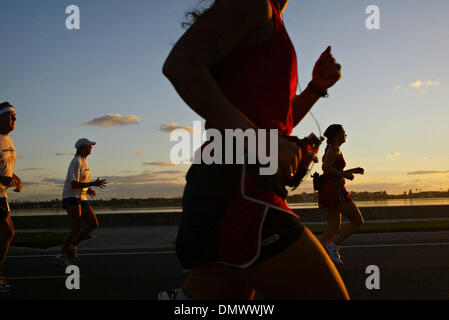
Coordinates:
<point>409,269</point>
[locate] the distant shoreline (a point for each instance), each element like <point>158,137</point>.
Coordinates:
<point>304,198</point>
<point>171,217</point>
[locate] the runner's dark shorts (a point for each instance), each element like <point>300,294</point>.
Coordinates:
<point>208,192</point>
<point>73,202</point>
<point>4,208</point>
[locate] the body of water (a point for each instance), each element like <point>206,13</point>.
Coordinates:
<point>385,203</point>
<point>381,203</point>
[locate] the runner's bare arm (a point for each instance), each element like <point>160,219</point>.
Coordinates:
<point>6,181</point>
<point>357,170</point>
<point>213,37</point>
<point>302,104</point>
<point>10,181</point>
<point>101,183</point>
<point>326,73</point>
<point>328,160</point>
<point>17,183</point>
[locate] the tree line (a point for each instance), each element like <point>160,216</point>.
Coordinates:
<point>177,202</point>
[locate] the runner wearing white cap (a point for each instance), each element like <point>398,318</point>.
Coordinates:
<point>7,179</point>
<point>74,200</point>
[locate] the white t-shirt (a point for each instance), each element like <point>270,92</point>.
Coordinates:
<point>7,160</point>
<point>79,172</point>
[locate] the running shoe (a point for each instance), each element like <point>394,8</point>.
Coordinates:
<point>177,294</point>
<point>333,252</point>
<point>338,252</point>
<point>72,255</point>
<point>4,286</point>
<point>61,261</point>
<point>167,295</point>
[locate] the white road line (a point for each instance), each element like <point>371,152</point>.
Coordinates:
<point>396,245</point>
<point>39,277</point>
<point>125,253</point>
<point>173,252</point>
<point>93,254</point>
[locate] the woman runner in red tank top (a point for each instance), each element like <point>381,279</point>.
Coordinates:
<point>236,67</point>
<point>333,196</point>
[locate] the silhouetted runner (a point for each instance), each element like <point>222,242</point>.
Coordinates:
<point>333,196</point>
<point>77,186</point>
<point>236,67</point>
<point>7,180</point>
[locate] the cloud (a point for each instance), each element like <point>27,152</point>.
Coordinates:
<point>171,126</point>
<point>431,83</point>
<point>394,154</point>
<point>33,169</point>
<point>376,186</point>
<point>144,190</point>
<point>139,153</point>
<point>174,176</point>
<point>60,154</point>
<point>111,120</point>
<point>160,164</point>
<point>118,191</point>
<point>420,84</point>
<point>145,185</point>
<point>416,84</point>
<point>167,176</point>
<point>169,172</point>
<point>428,172</point>
<point>53,180</point>
<point>31,183</point>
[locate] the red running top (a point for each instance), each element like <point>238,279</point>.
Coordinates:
<point>261,81</point>
<point>340,163</point>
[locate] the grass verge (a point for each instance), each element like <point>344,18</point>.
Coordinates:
<point>38,240</point>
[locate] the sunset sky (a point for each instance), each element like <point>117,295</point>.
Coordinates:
<point>104,82</point>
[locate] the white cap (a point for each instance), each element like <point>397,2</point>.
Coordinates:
<point>81,142</point>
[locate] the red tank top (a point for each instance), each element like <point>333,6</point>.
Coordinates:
<point>261,81</point>
<point>339,163</point>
